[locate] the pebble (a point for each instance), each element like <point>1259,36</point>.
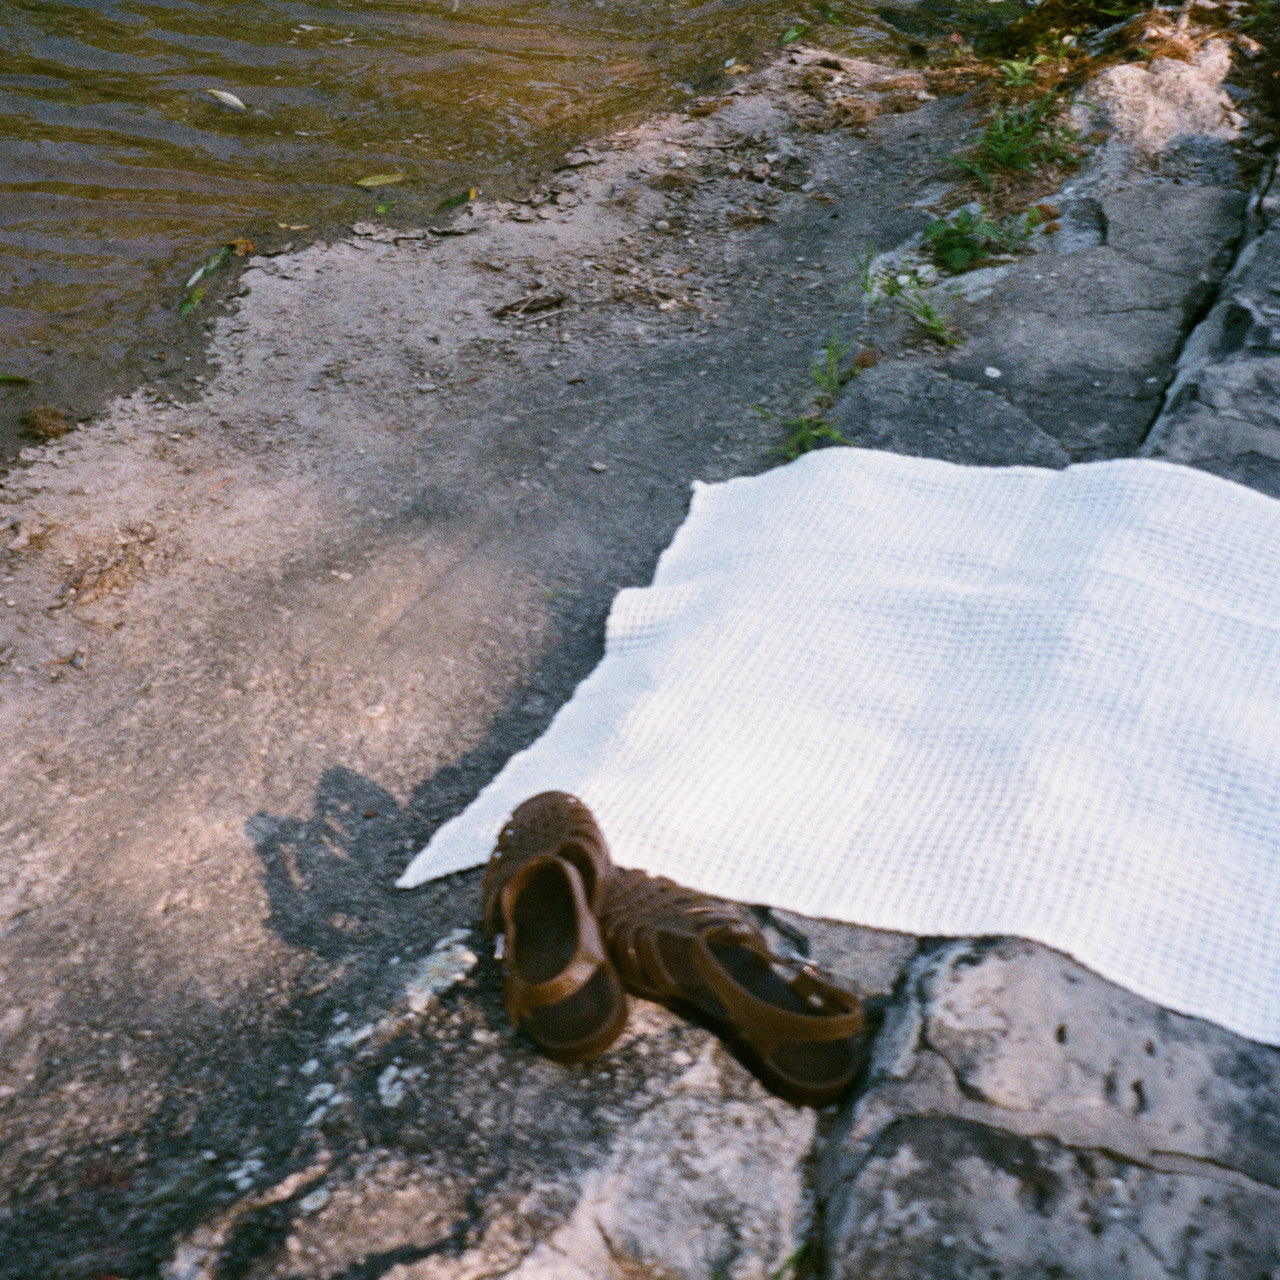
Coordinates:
<point>348,1037</point>
<point>315,1200</point>
<point>243,1175</point>
<point>393,1082</point>
<point>447,964</point>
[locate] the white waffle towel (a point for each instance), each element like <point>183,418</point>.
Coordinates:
<point>952,700</point>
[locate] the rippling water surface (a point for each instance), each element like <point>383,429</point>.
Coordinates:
<point>119,172</point>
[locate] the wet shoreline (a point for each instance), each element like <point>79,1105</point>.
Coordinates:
<point>122,173</point>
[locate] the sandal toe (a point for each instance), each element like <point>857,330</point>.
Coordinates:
<point>802,1034</point>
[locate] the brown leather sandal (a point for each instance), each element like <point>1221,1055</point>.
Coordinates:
<point>541,891</point>
<point>804,1036</point>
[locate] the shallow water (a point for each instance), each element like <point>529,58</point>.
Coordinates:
<point>119,172</point>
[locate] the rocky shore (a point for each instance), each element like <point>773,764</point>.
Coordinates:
<point>255,646</point>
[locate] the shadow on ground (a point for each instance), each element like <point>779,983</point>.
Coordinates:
<point>288,1076</point>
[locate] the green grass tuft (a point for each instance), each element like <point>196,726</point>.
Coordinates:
<point>808,434</point>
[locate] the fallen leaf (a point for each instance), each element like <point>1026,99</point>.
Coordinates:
<point>531,304</point>
<point>454,202</point>
<point>14,379</point>
<point>747,216</point>
<point>380,179</point>
<point>241,248</point>
<point>46,422</point>
<point>706,108</point>
<point>227,99</point>
<point>191,301</point>
<point>219,259</point>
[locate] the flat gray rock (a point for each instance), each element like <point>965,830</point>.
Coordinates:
<point>1064,353</point>
<point>1083,341</point>
<point>1222,411</point>
<point>943,1198</point>
<point>1027,1116</point>
<point>904,408</point>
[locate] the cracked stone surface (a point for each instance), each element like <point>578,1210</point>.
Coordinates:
<point>1222,411</point>
<point>1065,353</point>
<point>942,1197</point>
<point>1026,1116</point>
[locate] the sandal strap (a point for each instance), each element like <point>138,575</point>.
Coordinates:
<point>764,1026</point>
<point>638,908</point>
<point>522,996</point>
<point>588,955</point>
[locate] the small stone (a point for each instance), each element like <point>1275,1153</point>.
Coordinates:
<point>390,1087</point>
<point>447,964</point>
<point>314,1201</point>
<point>348,1037</point>
<point>991,371</point>
<point>243,1175</point>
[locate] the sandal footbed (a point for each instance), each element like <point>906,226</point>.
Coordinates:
<point>561,988</point>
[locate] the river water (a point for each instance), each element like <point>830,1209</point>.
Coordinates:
<point>119,172</point>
